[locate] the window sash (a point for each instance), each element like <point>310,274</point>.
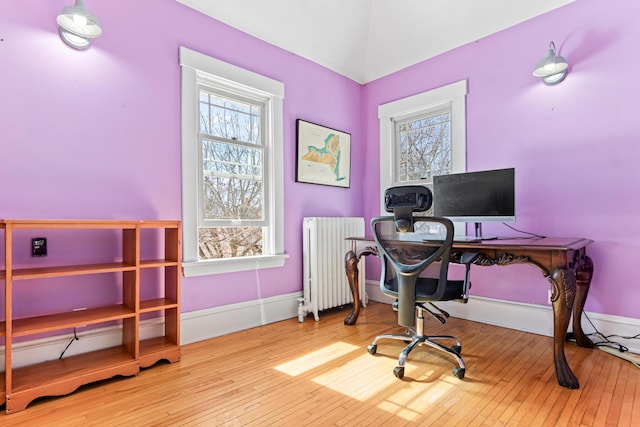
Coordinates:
<point>420,155</point>
<point>247,172</point>
<point>231,107</point>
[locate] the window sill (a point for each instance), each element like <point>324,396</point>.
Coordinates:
<point>232,265</point>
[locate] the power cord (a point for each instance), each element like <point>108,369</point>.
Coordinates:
<point>612,347</point>
<point>533,235</point>
<point>75,338</point>
<point>605,338</point>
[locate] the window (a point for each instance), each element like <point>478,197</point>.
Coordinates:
<point>423,146</point>
<point>422,136</point>
<point>232,184</point>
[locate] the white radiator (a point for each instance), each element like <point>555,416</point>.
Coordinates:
<point>325,282</point>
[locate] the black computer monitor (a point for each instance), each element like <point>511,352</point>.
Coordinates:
<point>475,196</point>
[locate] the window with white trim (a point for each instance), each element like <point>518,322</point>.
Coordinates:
<point>423,136</point>
<point>232,183</point>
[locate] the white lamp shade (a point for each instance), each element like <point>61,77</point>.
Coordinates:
<point>78,20</point>
<point>550,65</point>
<point>553,68</point>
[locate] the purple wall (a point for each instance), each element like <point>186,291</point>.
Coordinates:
<point>96,134</point>
<point>574,146</point>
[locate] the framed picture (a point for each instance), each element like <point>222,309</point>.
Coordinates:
<point>323,155</point>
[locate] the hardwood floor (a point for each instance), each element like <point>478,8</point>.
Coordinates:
<point>320,374</point>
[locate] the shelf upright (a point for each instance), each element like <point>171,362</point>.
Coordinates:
<point>5,325</point>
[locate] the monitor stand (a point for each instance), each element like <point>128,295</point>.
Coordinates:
<point>478,232</point>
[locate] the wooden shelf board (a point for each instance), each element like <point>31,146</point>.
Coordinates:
<point>71,270</point>
<point>53,371</point>
<point>153,350</point>
<point>53,322</point>
<point>157,304</point>
<point>159,224</point>
<point>158,263</point>
<point>69,223</point>
<point>59,377</point>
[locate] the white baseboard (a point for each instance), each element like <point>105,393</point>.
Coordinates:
<point>537,319</point>
<point>209,323</point>
<point>194,326</point>
<point>212,322</point>
<point>50,348</point>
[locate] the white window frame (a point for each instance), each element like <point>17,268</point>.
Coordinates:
<point>453,94</point>
<point>192,63</point>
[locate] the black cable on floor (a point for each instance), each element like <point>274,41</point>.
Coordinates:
<point>606,338</point>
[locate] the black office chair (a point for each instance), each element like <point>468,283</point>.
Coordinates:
<point>401,269</point>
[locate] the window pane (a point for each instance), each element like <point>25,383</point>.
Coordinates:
<point>221,158</point>
<point>205,114</point>
<point>232,181</point>
<point>230,119</point>
<point>424,147</point>
<point>232,198</point>
<point>229,242</point>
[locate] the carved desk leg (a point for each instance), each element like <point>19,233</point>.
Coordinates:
<point>351,266</point>
<point>583,281</point>
<point>564,289</point>
<point>351,261</point>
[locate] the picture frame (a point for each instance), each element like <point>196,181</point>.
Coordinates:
<point>323,155</point>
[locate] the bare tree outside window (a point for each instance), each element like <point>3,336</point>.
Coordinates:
<point>232,187</point>
<point>424,147</point>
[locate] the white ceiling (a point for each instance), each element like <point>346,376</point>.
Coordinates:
<point>368,39</point>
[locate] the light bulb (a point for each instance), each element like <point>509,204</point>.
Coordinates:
<point>80,20</point>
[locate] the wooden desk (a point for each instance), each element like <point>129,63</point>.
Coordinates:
<point>563,262</point>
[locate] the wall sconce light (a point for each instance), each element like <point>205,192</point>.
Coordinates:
<point>77,26</point>
<point>553,68</point>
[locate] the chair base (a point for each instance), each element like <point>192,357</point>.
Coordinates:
<point>418,338</point>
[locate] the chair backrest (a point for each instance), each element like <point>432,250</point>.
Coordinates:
<point>406,266</point>
<point>404,201</point>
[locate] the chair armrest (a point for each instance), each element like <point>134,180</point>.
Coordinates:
<point>468,258</point>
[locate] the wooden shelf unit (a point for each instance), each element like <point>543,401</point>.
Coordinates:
<point>20,386</point>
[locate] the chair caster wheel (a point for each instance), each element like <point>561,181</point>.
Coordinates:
<point>372,349</point>
<point>457,349</point>
<point>459,372</point>
<point>398,371</point>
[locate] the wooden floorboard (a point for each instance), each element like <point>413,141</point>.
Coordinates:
<point>320,374</point>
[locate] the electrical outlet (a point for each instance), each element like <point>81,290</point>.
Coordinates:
<point>39,246</point>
